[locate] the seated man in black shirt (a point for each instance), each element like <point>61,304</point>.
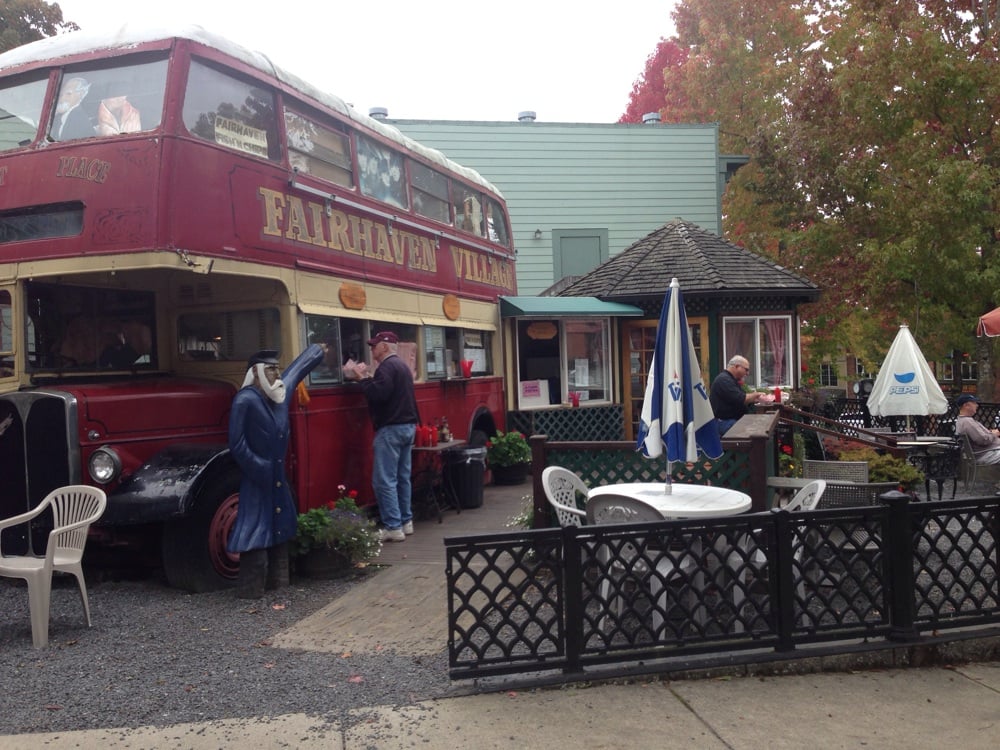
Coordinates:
<point>729,400</point>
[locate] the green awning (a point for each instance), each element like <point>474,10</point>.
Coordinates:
<point>570,307</point>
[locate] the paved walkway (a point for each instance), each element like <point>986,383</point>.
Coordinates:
<point>404,608</point>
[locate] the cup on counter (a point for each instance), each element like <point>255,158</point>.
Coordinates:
<point>574,398</point>
<point>466,368</point>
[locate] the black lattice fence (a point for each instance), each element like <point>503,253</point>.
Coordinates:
<point>854,412</point>
<point>576,598</point>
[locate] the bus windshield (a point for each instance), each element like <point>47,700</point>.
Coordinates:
<point>80,328</point>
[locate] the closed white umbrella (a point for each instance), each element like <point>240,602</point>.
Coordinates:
<point>905,385</point>
<point>677,417</point>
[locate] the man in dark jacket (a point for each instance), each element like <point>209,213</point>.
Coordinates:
<point>266,517</point>
<point>729,400</point>
<point>392,405</point>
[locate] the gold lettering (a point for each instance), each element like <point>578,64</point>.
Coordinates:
<point>316,211</point>
<point>340,239</point>
<point>297,228</point>
<point>92,170</point>
<point>381,243</point>
<point>362,231</point>
<point>274,214</point>
<point>66,165</point>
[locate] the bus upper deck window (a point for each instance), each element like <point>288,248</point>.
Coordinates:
<point>109,101</point>
<point>231,112</point>
<point>20,111</point>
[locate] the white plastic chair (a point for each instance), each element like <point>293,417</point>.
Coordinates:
<point>561,486</point>
<point>74,508</point>
<point>610,509</point>
<point>807,498</point>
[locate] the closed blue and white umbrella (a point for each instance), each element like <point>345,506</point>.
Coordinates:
<point>677,417</point>
<point>905,385</point>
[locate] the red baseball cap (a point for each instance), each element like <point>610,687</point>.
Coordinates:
<point>387,336</point>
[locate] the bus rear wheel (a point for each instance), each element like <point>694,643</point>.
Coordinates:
<point>195,555</point>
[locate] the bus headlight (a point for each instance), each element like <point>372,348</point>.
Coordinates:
<point>105,465</point>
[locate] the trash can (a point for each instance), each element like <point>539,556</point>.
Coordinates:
<point>463,476</point>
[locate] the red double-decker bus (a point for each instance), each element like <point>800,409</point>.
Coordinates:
<point>171,203</point>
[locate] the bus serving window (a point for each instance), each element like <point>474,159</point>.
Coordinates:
<point>468,209</point>
<point>319,151</point>
<point>20,111</point>
<point>322,329</point>
<point>82,328</point>
<point>445,348</point>
<point>227,335</point>
<point>109,101</point>
<point>430,192</point>
<point>381,172</point>
<point>231,112</point>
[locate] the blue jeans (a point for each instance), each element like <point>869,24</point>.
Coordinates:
<point>391,473</point>
<point>725,425</point>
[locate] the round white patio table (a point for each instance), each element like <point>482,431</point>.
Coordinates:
<point>684,500</point>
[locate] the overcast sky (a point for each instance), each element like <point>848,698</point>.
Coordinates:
<point>437,59</point>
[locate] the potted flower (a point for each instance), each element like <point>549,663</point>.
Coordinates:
<point>334,537</point>
<point>509,457</point>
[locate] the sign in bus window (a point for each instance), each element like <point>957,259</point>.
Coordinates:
<point>381,172</point>
<point>318,151</point>
<point>109,101</point>
<point>231,112</point>
<point>20,112</point>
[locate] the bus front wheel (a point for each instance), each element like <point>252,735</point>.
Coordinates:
<point>195,557</point>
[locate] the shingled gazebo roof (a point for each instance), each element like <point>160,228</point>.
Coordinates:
<point>706,266</point>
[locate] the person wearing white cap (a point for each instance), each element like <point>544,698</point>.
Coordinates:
<point>266,517</point>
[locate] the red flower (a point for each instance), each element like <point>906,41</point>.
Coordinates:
<point>353,494</point>
<point>786,449</point>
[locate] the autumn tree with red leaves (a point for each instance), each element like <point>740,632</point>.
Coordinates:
<point>875,156</point>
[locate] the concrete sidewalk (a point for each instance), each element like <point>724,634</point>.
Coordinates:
<point>403,608</point>
<point>916,708</point>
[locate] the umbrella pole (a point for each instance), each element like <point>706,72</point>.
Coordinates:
<point>668,487</point>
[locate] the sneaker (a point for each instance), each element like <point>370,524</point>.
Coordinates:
<point>408,528</point>
<point>391,535</point>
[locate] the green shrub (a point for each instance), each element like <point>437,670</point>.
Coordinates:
<point>886,468</point>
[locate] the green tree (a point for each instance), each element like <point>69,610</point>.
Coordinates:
<point>23,21</point>
<point>871,128</point>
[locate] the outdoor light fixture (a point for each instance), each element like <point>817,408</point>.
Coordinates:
<point>538,234</point>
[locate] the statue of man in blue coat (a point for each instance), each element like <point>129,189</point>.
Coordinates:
<point>266,517</point>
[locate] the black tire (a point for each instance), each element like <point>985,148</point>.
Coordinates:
<point>195,557</point>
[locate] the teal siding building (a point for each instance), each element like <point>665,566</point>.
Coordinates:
<point>579,194</point>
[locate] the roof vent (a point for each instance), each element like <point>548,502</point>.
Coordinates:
<point>526,116</point>
<point>379,113</point>
<point>650,118</point>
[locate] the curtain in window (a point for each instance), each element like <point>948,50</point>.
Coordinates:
<point>739,340</point>
<point>776,331</point>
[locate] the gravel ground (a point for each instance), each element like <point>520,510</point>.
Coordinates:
<point>157,656</point>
